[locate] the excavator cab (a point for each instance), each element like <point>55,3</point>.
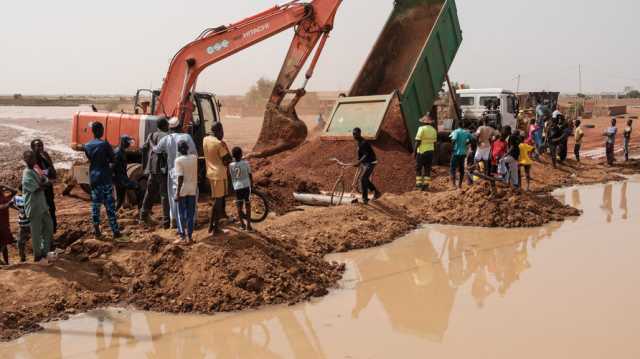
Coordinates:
<point>145,101</point>
<point>206,110</point>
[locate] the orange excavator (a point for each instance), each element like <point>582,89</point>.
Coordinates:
<point>281,129</point>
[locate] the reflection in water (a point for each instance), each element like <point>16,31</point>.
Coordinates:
<point>575,198</point>
<point>607,201</point>
<point>623,201</point>
<point>491,259</point>
<point>424,285</point>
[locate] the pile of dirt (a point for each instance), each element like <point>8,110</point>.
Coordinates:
<point>478,206</point>
<point>151,273</point>
<point>312,163</point>
<point>212,276</point>
<point>320,231</point>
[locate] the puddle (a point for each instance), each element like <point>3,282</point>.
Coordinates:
<point>567,290</point>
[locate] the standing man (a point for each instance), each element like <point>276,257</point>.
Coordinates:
<point>101,157</point>
<point>610,133</point>
<point>460,138</point>
<point>45,165</point>
<point>217,157</point>
<point>627,139</point>
<point>553,140</point>
<point>156,171</point>
<point>168,146</point>
<point>484,134</point>
<point>36,209</point>
<point>120,176</point>
<point>367,162</point>
<point>578,135</point>
<point>425,146</point>
<point>564,138</point>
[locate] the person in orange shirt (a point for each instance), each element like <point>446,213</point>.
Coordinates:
<point>525,162</point>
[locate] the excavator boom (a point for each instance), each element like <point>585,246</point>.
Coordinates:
<point>313,21</point>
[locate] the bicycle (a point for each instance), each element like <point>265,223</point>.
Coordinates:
<point>338,190</point>
<point>259,206</point>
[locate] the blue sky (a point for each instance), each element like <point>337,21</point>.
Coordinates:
<point>116,46</point>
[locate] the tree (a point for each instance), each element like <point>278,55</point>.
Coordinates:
<point>259,94</point>
<point>633,94</point>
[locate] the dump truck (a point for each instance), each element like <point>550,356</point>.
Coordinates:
<point>402,76</point>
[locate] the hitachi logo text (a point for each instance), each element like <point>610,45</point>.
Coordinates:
<point>255,31</point>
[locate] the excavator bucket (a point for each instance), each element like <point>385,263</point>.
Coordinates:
<point>281,131</point>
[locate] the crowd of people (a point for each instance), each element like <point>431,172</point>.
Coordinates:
<point>507,154</point>
<point>171,169</point>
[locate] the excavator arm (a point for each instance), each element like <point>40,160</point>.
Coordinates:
<point>312,22</point>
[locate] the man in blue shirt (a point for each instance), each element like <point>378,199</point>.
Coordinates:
<point>101,157</point>
<point>460,139</point>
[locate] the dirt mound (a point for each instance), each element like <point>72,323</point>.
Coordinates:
<point>310,165</point>
<point>243,272</point>
<point>321,231</point>
<point>476,206</point>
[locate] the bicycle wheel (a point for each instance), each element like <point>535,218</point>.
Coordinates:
<point>337,193</point>
<point>259,207</point>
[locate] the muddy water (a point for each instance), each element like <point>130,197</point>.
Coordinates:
<point>567,290</point>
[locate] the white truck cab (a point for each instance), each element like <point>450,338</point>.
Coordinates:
<point>472,104</point>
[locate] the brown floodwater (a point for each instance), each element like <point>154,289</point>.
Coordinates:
<point>566,290</point>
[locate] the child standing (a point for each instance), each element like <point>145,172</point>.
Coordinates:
<point>186,169</point>
<point>242,180</point>
<point>498,150</point>
<point>525,162</point>
<point>627,138</point>
<point>25,229</point>
<point>6,238</point>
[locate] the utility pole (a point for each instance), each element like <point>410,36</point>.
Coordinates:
<point>579,78</point>
<point>518,84</point>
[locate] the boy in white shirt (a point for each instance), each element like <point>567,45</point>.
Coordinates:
<point>241,179</point>
<point>186,170</point>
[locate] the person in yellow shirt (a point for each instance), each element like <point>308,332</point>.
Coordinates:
<point>424,151</point>
<point>525,162</point>
<point>217,158</point>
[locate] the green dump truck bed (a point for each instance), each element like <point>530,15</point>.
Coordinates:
<point>411,58</point>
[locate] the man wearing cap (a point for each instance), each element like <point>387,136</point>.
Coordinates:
<point>168,146</point>
<point>425,147</point>
<point>217,157</point>
<point>101,157</point>
<point>120,176</point>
